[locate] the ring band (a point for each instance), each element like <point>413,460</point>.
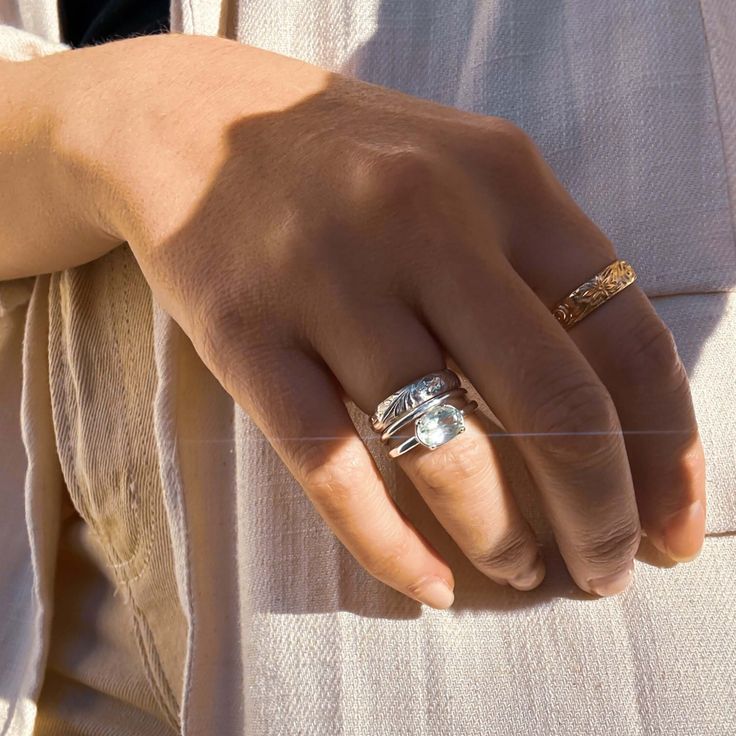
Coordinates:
<point>413,395</point>
<point>435,404</point>
<point>595,291</point>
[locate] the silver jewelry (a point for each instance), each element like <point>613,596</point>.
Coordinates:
<point>395,427</point>
<point>413,395</point>
<point>434,406</point>
<point>435,428</point>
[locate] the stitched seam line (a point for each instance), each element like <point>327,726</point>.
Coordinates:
<point>152,664</point>
<point>716,100</point>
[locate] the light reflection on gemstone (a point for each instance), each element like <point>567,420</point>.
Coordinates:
<point>439,425</point>
<point>426,389</point>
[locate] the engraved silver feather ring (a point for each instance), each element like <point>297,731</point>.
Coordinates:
<point>428,412</point>
<point>412,395</point>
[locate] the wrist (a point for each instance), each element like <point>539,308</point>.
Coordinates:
<point>157,122</point>
<point>125,117</point>
<point>44,224</point>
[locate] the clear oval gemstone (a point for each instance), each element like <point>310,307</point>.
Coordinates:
<point>439,425</point>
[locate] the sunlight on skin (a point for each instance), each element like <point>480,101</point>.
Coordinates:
<point>308,232</point>
<point>681,535</point>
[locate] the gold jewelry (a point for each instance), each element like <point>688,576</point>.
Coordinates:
<point>594,292</point>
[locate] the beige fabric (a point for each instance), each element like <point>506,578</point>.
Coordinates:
<point>31,484</point>
<point>94,679</point>
<point>76,651</point>
<point>245,615</point>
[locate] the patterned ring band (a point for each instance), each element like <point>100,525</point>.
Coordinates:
<point>412,395</point>
<point>595,291</point>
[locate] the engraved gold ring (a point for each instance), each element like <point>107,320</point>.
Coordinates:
<point>597,290</point>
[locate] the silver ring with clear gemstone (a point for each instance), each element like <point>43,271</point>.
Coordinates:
<point>413,395</point>
<point>436,427</point>
<point>397,425</point>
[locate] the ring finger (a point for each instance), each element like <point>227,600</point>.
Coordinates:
<point>635,356</point>
<point>461,481</point>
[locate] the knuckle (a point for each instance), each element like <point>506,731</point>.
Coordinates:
<point>691,463</point>
<point>386,563</point>
<point>462,460</point>
<point>239,332</point>
<point>219,330</point>
<point>513,551</point>
<point>617,545</point>
<point>331,476</point>
<point>508,132</point>
<point>510,145</point>
<point>231,345</point>
<point>220,324</point>
<point>397,178</point>
<point>651,358</point>
<point>577,422</point>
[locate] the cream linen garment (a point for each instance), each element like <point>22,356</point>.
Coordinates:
<point>162,572</point>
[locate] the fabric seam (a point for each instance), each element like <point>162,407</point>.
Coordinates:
<point>716,99</point>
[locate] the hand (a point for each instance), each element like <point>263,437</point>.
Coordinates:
<point>320,238</point>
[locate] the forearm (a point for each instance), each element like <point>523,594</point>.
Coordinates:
<point>44,214</point>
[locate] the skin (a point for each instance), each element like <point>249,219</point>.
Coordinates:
<point>321,239</point>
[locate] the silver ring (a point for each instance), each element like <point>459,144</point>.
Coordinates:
<point>436,427</point>
<point>435,404</point>
<point>413,395</point>
<point>444,398</point>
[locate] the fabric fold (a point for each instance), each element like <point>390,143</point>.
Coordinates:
<point>31,485</point>
<point>103,385</point>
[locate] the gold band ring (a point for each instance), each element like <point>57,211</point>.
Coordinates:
<point>597,290</point>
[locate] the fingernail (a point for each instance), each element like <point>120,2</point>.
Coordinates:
<point>612,584</point>
<point>530,579</point>
<point>684,532</point>
<point>436,592</point>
